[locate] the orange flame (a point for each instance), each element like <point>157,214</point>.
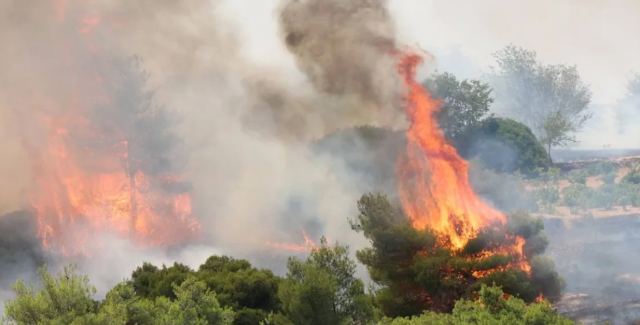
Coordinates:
<point>80,191</point>
<point>306,246</point>
<point>434,187</point>
<point>73,202</point>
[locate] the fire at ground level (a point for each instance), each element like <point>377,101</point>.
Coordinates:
<point>597,257</point>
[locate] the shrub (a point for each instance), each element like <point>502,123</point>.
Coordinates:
<point>633,177</point>
<point>416,272</point>
<point>578,176</point>
<point>577,196</point>
<point>504,145</point>
<point>601,168</point>
<point>491,307</point>
<point>609,178</point>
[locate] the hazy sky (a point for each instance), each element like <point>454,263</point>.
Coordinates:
<point>598,36</point>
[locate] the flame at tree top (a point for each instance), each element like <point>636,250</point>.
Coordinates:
<point>434,187</point>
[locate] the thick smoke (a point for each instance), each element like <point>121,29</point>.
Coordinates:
<point>346,49</point>
<point>350,81</point>
<point>237,132</point>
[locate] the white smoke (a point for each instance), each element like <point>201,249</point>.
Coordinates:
<point>244,125</point>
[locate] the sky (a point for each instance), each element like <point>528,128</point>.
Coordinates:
<point>597,36</point>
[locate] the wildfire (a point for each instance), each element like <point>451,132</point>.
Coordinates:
<point>91,172</point>
<point>306,246</point>
<point>74,199</point>
<point>434,187</point>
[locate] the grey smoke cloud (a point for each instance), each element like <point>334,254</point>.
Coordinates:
<point>345,52</point>
<point>241,128</point>
<point>346,49</point>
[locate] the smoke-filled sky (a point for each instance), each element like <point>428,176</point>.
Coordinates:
<point>597,36</point>
<point>224,119</point>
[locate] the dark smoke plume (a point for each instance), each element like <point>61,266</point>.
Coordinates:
<point>241,130</point>
<point>344,47</point>
<point>346,50</point>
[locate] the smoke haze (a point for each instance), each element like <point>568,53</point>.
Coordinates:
<point>248,98</point>
<point>594,35</point>
<point>173,77</point>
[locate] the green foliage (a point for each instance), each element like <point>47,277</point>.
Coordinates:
<point>150,281</point>
<point>557,129</point>
<point>504,145</point>
<point>251,292</point>
<point>119,307</point>
<point>309,295</point>
<point>609,178</point>
<point>547,193</point>
<point>464,103</point>
<point>580,197</point>
<point>628,194</point>
<point>68,299</point>
<point>550,99</point>
<point>241,286</point>
<point>577,196</point>
<point>413,271</point>
<point>416,273</point>
<point>61,300</point>
<point>601,168</point>
<point>633,176</point>
<point>389,260</point>
<point>276,319</point>
<point>323,289</point>
<point>501,144</point>
<point>578,176</point>
<point>547,198</point>
<point>194,304</point>
<point>491,307</point>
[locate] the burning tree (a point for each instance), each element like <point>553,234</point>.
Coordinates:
<point>445,241</point>
<point>108,165</point>
<point>417,271</point>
